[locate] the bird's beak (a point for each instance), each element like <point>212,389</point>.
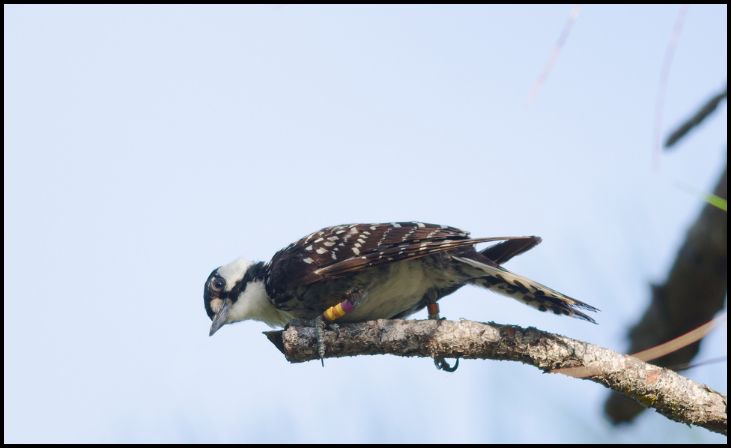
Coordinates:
<point>221,317</point>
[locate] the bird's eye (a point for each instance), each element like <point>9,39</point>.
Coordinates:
<point>218,284</point>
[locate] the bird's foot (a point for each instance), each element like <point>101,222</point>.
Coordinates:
<point>442,364</point>
<point>300,323</point>
<point>319,324</point>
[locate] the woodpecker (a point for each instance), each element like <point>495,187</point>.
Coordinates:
<point>360,272</point>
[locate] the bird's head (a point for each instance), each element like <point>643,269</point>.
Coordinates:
<point>234,292</point>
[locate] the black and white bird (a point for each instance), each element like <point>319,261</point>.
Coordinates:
<point>360,272</point>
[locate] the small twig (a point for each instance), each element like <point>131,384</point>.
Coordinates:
<point>664,75</point>
<point>538,84</point>
<point>672,395</point>
<point>701,114</point>
<point>688,366</point>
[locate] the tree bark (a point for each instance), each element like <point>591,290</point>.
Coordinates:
<point>672,395</point>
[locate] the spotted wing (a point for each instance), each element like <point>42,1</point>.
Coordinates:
<point>336,251</point>
<point>298,263</point>
<point>400,252</point>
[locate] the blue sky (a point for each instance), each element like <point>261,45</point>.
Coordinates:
<point>146,145</point>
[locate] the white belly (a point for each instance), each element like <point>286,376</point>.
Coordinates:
<point>403,287</point>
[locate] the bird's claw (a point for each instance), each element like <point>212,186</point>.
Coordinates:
<point>442,364</point>
<point>319,329</point>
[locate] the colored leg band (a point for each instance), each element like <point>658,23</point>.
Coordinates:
<point>433,309</point>
<point>335,312</point>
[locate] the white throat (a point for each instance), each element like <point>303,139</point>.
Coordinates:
<point>254,304</point>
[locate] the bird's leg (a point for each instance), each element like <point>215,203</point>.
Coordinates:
<point>433,309</point>
<point>334,313</point>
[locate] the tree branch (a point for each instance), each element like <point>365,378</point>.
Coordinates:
<point>694,291</point>
<point>672,395</point>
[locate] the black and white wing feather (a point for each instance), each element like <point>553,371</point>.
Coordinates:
<point>336,251</point>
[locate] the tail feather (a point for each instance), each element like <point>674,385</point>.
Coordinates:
<point>525,290</point>
<point>502,252</point>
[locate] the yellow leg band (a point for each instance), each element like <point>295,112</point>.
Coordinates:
<point>334,312</point>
